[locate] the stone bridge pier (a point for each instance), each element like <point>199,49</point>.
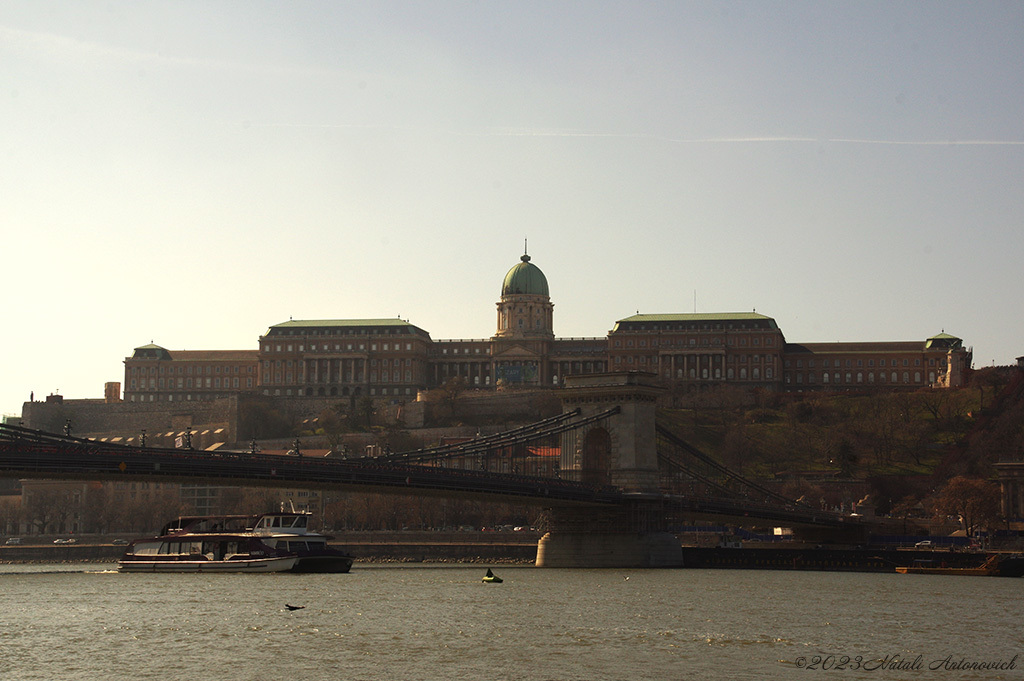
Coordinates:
<point>621,451</point>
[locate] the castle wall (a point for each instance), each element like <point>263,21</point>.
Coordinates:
<point>97,418</point>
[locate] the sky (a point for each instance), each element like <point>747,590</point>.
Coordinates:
<point>191,173</point>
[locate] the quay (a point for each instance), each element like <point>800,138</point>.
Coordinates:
<point>521,548</point>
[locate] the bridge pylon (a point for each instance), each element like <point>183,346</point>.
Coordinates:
<point>619,451</point>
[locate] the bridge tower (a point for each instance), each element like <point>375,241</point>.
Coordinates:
<point>620,451</point>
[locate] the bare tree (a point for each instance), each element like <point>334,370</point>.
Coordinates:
<point>974,503</point>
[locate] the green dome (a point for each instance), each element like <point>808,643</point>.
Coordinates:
<point>525,278</point>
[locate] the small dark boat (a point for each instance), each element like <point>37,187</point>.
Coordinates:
<point>491,578</point>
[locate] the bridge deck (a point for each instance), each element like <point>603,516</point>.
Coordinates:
<point>34,454</point>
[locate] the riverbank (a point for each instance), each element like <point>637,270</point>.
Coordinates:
<point>521,549</point>
<point>366,547</point>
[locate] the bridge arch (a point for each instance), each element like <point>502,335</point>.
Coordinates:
<point>595,456</point>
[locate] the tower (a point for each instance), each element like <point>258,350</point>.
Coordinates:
<point>522,342</point>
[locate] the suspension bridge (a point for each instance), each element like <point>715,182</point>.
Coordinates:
<point>613,478</point>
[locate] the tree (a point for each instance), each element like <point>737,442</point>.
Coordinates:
<point>973,502</point>
<point>39,508</point>
<point>904,508</point>
<point>993,378</point>
<point>10,516</point>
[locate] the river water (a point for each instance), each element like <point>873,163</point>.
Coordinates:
<point>88,622</point>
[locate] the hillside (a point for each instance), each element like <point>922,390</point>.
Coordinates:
<point>889,444</point>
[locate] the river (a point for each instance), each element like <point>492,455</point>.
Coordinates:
<point>90,623</point>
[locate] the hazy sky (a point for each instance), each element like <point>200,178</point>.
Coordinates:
<point>190,173</point>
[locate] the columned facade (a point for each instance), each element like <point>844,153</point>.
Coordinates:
<point>385,358</point>
<point>1011,484</point>
<point>700,350</point>
<point>393,359</point>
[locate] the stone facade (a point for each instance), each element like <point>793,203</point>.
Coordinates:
<point>392,360</point>
<point>209,421</point>
<point>619,450</point>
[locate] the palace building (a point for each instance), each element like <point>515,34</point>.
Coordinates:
<point>393,359</point>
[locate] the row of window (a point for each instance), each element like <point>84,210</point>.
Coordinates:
<point>466,351</point>
<point>290,392</point>
<point>311,364</point>
<point>850,378</point>
<point>188,370</point>
<point>730,359</point>
<point>838,363</point>
<point>692,342</point>
<point>326,347</point>
<point>171,397</point>
<point>214,383</point>
<point>731,373</point>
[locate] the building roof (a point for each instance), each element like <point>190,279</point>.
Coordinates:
<point>156,352</point>
<point>856,347</point>
<point>686,317</point>
<point>944,341</point>
<point>525,278</point>
<point>150,351</point>
<point>390,323</point>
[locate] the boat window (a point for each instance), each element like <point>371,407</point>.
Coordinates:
<point>300,521</point>
<point>277,521</point>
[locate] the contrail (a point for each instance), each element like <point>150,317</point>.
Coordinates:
<point>581,134</point>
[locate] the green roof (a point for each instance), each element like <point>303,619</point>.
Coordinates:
<point>944,340</point>
<point>151,351</point>
<point>307,323</point>
<point>392,325</point>
<point>696,317</point>
<point>525,278</point>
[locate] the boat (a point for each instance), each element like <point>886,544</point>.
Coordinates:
<point>926,567</point>
<point>491,578</point>
<point>289,532</point>
<point>271,542</point>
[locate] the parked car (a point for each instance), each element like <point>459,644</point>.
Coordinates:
<point>119,542</point>
<point>64,541</point>
<point>13,540</point>
<point>923,544</point>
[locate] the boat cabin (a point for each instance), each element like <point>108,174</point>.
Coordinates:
<point>282,523</point>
